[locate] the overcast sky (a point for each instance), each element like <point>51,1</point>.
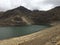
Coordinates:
<point>30,4</point>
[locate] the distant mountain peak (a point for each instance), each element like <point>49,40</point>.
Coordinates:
<point>23,9</point>
<point>57,7</point>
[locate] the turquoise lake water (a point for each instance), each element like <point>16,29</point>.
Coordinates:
<point>9,32</point>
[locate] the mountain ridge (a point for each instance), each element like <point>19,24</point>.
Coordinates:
<point>39,17</point>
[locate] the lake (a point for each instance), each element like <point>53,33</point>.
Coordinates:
<point>10,32</point>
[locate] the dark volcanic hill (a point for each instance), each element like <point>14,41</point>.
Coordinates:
<point>17,11</point>
<point>14,16</point>
<point>41,17</point>
<point>23,9</point>
<point>56,13</point>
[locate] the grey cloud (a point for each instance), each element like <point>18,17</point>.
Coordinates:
<point>30,4</point>
<point>55,2</point>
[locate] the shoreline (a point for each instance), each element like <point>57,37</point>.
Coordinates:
<point>47,36</point>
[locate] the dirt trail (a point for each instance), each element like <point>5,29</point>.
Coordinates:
<point>49,36</point>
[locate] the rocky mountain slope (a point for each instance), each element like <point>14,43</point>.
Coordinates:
<point>22,16</point>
